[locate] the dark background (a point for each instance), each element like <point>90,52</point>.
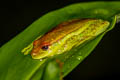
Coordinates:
<point>102,64</point>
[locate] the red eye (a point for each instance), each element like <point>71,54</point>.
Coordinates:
<point>45,47</point>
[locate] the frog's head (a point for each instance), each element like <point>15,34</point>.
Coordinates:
<point>42,50</point>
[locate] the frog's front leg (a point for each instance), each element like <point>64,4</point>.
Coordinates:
<point>29,48</point>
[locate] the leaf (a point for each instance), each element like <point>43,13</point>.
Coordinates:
<point>52,71</point>
<point>15,66</point>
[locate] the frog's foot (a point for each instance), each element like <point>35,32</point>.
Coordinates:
<point>27,49</point>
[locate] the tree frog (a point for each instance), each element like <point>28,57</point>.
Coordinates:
<point>65,36</point>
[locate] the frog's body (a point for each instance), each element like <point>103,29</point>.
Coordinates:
<point>66,35</point>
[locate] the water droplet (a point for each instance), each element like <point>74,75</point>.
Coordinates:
<point>99,11</point>
<point>40,59</point>
<point>79,57</point>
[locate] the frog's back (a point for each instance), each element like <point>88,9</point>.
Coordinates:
<point>62,30</point>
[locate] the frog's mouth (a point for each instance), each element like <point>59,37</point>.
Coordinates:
<point>40,55</point>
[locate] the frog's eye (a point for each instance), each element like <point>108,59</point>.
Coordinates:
<point>45,47</point>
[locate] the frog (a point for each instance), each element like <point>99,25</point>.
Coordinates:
<point>65,36</point>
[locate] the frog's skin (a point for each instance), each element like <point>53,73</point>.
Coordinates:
<point>65,36</point>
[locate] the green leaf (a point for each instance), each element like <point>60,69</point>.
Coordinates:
<point>52,71</point>
<point>16,66</point>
